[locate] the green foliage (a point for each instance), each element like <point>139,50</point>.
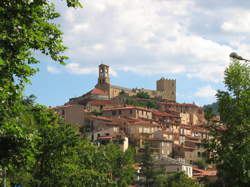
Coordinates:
<point>209,114</point>
<point>143,95</point>
<point>201,164</point>
<point>147,163</point>
<point>142,103</point>
<point>26,27</point>
<point>230,144</point>
<point>213,107</point>
<point>122,92</point>
<point>36,147</point>
<point>62,158</point>
<point>178,179</point>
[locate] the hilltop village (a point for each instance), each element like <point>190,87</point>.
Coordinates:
<point>131,117</point>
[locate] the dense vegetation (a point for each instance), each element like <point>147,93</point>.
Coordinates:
<point>230,138</point>
<point>37,148</point>
<point>142,103</point>
<point>214,108</point>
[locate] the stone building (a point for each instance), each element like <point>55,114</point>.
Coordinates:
<point>165,88</point>
<point>71,113</point>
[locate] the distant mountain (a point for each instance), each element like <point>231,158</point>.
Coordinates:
<point>214,107</point>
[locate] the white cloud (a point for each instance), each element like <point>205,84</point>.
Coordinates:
<point>238,21</point>
<point>206,92</point>
<point>151,37</point>
<point>112,72</point>
<point>77,69</point>
<point>53,70</point>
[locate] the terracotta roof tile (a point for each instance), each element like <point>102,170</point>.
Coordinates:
<point>99,117</point>
<point>97,103</point>
<point>127,108</point>
<point>164,114</point>
<point>105,137</point>
<point>60,107</point>
<point>202,172</point>
<point>97,91</point>
<point>201,130</point>
<point>179,104</point>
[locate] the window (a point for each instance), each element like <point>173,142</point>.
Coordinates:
<point>199,154</point>
<point>120,112</point>
<point>107,134</point>
<point>114,113</point>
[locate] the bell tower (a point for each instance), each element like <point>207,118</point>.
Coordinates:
<point>103,74</point>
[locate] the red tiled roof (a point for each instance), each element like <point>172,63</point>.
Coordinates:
<point>97,103</point>
<point>99,117</point>
<point>60,107</point>
<point>179,104</point>
<point>200,130</point>
<point>97,91</point>
<point>126,119</point>
<point>105,137</point>
<point>145,123</point>
<point>202,172</point>
<point>127,108</point>
<point>164,114</point>
<point>167,132</point>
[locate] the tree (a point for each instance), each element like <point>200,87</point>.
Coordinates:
<point>201,164</point>
<point>213,107</point>
<point>230,142</point>
<point>143,95</point>
<point>26,27</point>
<point>147,164</point>
<point>178,179</point>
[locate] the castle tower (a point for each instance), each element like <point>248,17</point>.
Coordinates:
<point>166,88</point>
<point>103,74</point>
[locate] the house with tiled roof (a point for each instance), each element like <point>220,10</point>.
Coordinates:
<point>128,111</point>
<point>92,95</point>
<point>100,105</point>
<point>160,147</point>
<point>71,113</point>
<point>171,165</point>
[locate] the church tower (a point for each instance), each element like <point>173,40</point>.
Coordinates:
<point>103,79</point>
<point>103,74</point>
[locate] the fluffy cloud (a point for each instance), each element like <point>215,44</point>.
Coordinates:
<point>53,70</point>
<point>206,92</point>
<point>238,21</point>
<point>76,68</point>
<point>151,37</point>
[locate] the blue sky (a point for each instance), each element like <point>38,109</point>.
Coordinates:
<point>142,41</point>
